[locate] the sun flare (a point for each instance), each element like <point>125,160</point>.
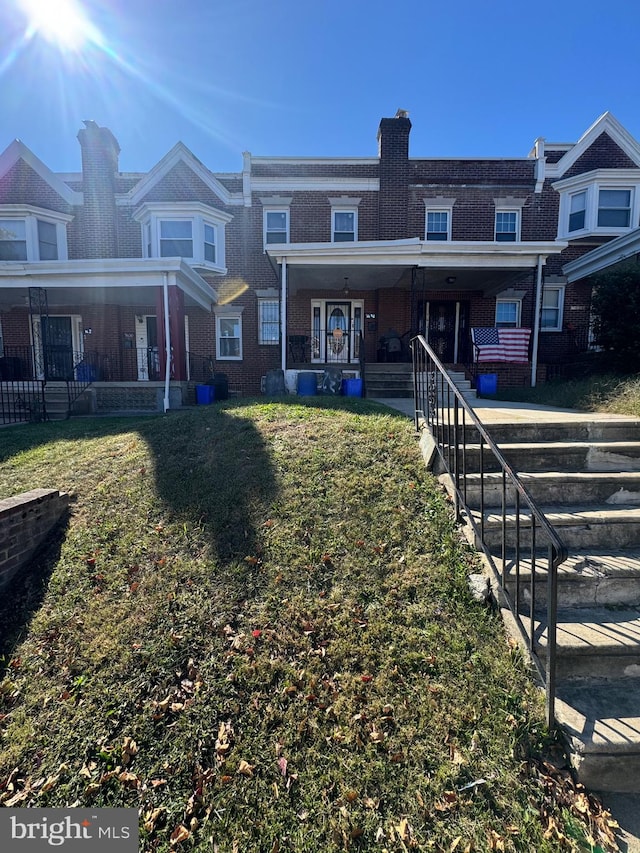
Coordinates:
<point>62,22</point>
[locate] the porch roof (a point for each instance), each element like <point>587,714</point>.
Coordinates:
<point>381,263</point>
<point>611,253</point>
<point>119,281</point>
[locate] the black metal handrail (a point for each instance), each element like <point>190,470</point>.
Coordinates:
<point>455,427</point>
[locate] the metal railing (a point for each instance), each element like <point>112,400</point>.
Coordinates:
<point>325,345</point>
<point>476,467</point>
<point>22,401</point>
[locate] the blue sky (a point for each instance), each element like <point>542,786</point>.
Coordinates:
<point>290,77</point>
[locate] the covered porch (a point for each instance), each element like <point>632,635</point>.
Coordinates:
<point>347,305</point>
<point>106,321</point>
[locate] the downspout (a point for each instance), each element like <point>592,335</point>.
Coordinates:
<point>283,314</point>
<point>167,340</point>
<point>536,323</point>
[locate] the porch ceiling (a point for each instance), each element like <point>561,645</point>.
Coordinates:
<point>458,265</point>
<point>363,278</point>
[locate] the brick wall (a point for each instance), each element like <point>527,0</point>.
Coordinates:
<point>26,521</point>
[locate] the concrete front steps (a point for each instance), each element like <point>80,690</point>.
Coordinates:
<point>585,476</point>
<point>389,380</point>
<point>396,380</point>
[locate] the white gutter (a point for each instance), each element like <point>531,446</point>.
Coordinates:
<point>167,339</point>
<point>536,323</point>
<point>283,314</point>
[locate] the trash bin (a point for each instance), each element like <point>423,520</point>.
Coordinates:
<point>205,394</point>
<point>307,384</point>
<point>487,384</point>
<point>221,384</point>
<point>352,387</point>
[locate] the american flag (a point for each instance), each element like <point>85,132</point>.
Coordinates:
<point>493,344</point>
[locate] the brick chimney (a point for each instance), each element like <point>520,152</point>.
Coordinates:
<point>100,152</point>
<point>393,198</point>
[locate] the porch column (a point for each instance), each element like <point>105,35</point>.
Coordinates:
<point>536,323</point>
<point>283,314</point>
<point>176,332</point>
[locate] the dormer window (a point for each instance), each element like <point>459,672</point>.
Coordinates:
<point>193,231</point>
<point>31,234</point>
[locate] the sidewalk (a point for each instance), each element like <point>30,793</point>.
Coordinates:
<point>625,808</point>
<point>504,411</point>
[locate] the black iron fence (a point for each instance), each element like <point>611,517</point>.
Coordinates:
<point>22,401</point>
<point>506,521</point>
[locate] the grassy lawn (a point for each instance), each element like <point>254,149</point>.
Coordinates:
<point>600,393</point>
<point>256,629</point>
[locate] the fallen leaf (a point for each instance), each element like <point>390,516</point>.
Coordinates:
<point>179,834</point>
<point>245,769</point>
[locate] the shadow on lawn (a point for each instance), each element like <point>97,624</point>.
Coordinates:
<point>214,469</point>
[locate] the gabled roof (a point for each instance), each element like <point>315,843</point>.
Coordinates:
<point>17,150</point>
<point>179,153</point>
<point>607,123</point>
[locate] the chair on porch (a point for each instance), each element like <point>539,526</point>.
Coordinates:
<point>298,348</point>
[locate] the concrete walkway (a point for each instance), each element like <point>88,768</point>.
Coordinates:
<point>625,808</point>
<point>504,411</point>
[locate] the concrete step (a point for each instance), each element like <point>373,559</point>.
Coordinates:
<point>560,456</point>
<point>596,579</point>
<point>559,487</point>
<point>595,643</point>
<point>601,720</point>
<point>613,429</point>
<point>597,528</point>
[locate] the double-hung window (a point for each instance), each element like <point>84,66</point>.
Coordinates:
<point>276,226</point>
<point>577,211</point>
<point>614,208</point>
<point>344,228</point>
<point>507,226</point>
<point>176,238</point>
<point>229,336</point>
<point>437,224</point>
<point>508,313</point>
<point>13,240</point>
<point>210,242</point>
<point>552,309</point>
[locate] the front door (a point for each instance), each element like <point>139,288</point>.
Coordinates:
<point>336,329</point>
<point>148,356</point>
<point>447,330</point>
<point>57,348</point>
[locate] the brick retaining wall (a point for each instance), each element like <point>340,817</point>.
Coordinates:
<point>25,522</point>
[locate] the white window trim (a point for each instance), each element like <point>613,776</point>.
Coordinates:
<point>435,209</point>
<point>591,183</point>
<point>274,209</point>
<point>30,216</point>
<point>151,215</point>
<point>518,302</point>
<point>228,312</point>
<point>344,209</point>
<point>262,301</point>
<point>518,214</point>
<point>561,291</point>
